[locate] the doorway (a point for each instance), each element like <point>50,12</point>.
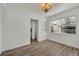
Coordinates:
<point>34,30</point>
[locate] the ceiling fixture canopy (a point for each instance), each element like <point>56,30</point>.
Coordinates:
<point>45,7</point>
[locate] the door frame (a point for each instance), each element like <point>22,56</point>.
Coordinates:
<point>31,29</point>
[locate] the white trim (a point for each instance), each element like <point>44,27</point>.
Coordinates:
<point>15,47</point>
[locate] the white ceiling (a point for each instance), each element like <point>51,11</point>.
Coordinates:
<point>61,8</point>
<point>56,7</point>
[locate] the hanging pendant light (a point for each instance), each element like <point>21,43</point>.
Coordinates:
<point>45,7</point>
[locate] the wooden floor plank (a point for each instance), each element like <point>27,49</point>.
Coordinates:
<point>44,48</point>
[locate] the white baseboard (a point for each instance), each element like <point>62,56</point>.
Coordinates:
<point>74,46</point>
<point>15,47</point>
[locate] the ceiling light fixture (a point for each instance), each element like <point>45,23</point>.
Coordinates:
<point>45,7</point>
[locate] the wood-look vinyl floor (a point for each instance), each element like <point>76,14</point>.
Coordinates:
<point>44,48</point>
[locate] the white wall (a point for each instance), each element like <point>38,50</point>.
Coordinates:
<point>0,28</point>
<point>16,26</point>
<point>68,39</point>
